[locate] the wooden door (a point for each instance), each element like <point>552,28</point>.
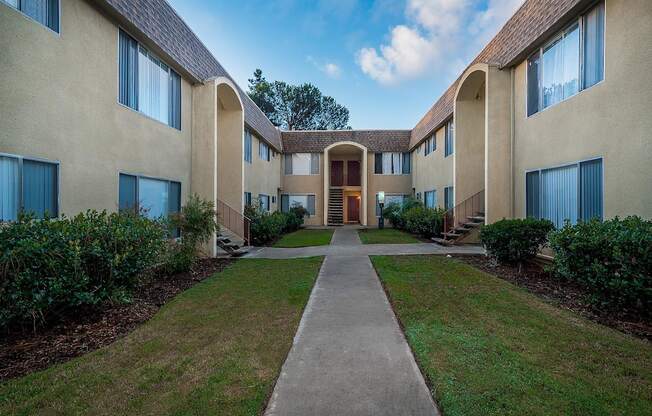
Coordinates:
<point>353,209</point>
<point>353,173</point>
<point>337,173</point>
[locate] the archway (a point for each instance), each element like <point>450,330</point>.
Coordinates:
<point>345,183</point>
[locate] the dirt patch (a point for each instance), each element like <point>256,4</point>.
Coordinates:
<point>564,294</point>
<point>24,352</point>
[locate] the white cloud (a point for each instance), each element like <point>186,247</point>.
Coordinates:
<point>438,37</point>
<point>331,69</point>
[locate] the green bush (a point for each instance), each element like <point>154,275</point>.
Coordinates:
<point>611,259</point>
<point>196,223</point>
<point>267,227</point>
<point>515,241</point>
<point>393,214</point>
<point>53,265</point>
<point>426,222</point>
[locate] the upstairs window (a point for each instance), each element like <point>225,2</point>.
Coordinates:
<point>430,144</point>
<point>302,164</point>
<point>147,84</point>
<point>264,151</point>
<point>30,186</point>
<point>247,146</point>
<point>392,163</point>
<point>572,61</point>
<point>46,12</point>
<point>450,139</point>
<point>247,199</point>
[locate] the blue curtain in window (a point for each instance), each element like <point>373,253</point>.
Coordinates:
<point>127,193</point>
<point>311,204</point>
<point>406,163</point>
<point>285,203</point>
<point>153,196</point>
<point>175,100</point>
<point>45,12</point>
<point>9,189</point>
<point>40,188</point>
<point>594,46</point>
<point>128,71</point>
<point>591,189</point>
<point>449,199</point>
<point>559,199</point>
<point>533,83</point>
<point>532,193</point>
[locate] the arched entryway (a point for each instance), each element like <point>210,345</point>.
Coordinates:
<point>345,184</point>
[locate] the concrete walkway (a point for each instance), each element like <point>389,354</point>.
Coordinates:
<point>349,355</point>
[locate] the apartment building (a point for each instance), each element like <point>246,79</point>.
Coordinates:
<point>116,104</point>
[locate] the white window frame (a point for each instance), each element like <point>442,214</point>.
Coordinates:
<point>289,195</point>
<point>20,159</point>
<point>580,22</point>
<point>144,176</point>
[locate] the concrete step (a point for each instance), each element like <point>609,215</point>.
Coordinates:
<point>442,241</point>
<point>476,218</point>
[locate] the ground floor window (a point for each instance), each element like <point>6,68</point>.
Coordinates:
<point>154,198</point>
<point>449,198</point>
<point>293,200</point>
<point>263,200</point>
<point>247,199</point>
<point>572,192</point>
<point>430,198</point>
<point>27,185</point>
<point>389,200</point>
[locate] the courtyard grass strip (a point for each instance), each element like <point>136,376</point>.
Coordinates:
<point>490,348</point>
<point>305,238</point>
<point>215,349</point>
<point>386,236</point>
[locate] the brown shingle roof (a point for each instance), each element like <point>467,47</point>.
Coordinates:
<point>374,140</point>
<point>159,22</point>
<point>529,26</point>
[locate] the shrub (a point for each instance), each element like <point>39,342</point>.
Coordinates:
<point>395,213</point>
<point>53,265</point>
<point>196,223</point>
<point>515,241</point>
<point>267,227</point>
<point>426,222</point>
<point>611,259</point>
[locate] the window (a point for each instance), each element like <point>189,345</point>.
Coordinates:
<point>247,146</point>
<point>46,12</point>
<point>449,147</point>
<point>302,164</point>
<point>572,61</point>
<point>449,198</point>
<point>430,199</point>
<point>394,163</point>
<point>389,200</point>
<point>154,198</point>
<point>573,192</point>
<point>148,85</point>
<point>263,150</point>
<point>247,199</point>
<point>430,144</point>
<point>306,201</point>
<point>27,185</point>
<point>263,200</point>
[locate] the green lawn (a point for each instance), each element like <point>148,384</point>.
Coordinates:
<point>305,238</point>
<point>490,348</point>
<point>215,349</point>
<point>386,236</point>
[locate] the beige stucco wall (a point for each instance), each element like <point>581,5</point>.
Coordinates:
<point>611,120</point>
<point>261,176</point>
<point>59,101</point>
<point>390,184</point>
<point>432,171</point>
<point>306,185</point>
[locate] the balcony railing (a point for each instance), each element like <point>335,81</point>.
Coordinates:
<point>470,207</point>
<point>239,224</point>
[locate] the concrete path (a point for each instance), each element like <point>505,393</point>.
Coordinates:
<point>349,355</point>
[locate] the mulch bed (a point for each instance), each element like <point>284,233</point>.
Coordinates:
<point>24,352</point>
<point>564,294</point>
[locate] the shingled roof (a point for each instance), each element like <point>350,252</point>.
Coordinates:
<point>529,26</point>
<point>316,141</point>
<point>161,24</point>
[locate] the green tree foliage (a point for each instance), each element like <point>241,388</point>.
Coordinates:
<point>297,107</point>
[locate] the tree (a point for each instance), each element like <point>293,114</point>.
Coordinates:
<point>297,107</point>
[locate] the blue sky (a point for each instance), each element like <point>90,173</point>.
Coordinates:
<point>388,61</point>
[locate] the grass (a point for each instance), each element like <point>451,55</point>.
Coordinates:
<point>215,349</point>
<point>490,348</point>
<point>386,236</point>
<point>305,238</point>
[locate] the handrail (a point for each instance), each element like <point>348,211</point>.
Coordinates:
<point>470,207</point>
<point>235,221</point>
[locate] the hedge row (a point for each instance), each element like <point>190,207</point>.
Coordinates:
<point>412,216</point>
<point>267,227</point>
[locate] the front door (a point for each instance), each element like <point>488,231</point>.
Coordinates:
<point>353,209</point>
<point>353,173</point>
<point>337,173</point>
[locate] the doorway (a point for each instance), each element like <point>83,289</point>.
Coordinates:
<point>337,173</point>
<point>352,208</point>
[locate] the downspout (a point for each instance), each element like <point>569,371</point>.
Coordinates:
<point>511,147</point>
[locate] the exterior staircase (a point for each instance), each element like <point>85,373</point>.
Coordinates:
<point>234,235</point>
<point>462,222</point>
<point>232,248</point>
<point>335,207</point>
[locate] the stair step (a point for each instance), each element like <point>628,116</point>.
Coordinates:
<point>454,235</point>
<point>476,218</point>
<point>472,224</point>
<point>442,241</point>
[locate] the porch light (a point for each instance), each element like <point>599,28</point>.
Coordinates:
<point>381,203</point>
<point>381,198</point>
